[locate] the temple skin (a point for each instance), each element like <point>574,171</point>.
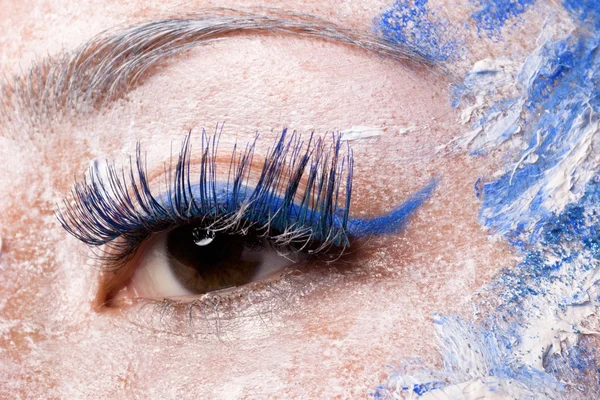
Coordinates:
<point>336,334</point>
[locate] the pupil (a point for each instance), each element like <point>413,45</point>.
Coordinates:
<point>205,261</point>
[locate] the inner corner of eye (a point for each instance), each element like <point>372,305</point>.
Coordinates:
<point>192,260</point>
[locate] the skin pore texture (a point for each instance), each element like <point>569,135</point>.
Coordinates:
<point>337,329</point>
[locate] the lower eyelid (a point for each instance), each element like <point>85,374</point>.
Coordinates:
<point>252,310</point>
<point>222,314</point>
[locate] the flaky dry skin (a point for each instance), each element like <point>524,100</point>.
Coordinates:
<point>335,332</point>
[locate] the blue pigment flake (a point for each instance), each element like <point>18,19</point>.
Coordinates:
<point>492,15</point>
<point>585,11</point>
<point>412,24</point>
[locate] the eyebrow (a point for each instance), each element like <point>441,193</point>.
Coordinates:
<point>112,63</point>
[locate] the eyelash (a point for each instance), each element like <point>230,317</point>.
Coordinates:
<point>118,209</point>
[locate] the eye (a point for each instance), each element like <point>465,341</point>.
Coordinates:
<point>206,226</point>
<point>192,260</point>
<point>209,226</point>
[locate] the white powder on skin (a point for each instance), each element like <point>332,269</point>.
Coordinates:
<point>51,334</point>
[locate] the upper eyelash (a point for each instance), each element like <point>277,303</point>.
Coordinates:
<point>122,205</point>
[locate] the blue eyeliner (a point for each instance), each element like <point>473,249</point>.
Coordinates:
<point>302,197</point>
<point>393,221</point>
<point>389,223</point>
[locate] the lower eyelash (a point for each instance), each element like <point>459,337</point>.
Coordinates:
<point>117,208</point>
<point>255,309</point>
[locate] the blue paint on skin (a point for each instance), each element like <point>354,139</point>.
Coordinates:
<point>478,186</point>
<point>586,11</point>
<point>576,362</point>
<point>413,24</point>
<point>560,250</point>
<point>422,388</point>
<point>562,99</point>
<point>492,15</point>
<point>565,248</point>
<point>579,227</point>
<point>500,107</point>
<point>393,221</point>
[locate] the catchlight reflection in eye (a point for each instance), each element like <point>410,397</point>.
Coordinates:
<point>214,228</point>
<point>191,260</point>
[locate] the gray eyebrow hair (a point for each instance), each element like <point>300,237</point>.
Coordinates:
<point>112,63</point>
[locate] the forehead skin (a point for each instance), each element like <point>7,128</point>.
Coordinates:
<point>336,337</point>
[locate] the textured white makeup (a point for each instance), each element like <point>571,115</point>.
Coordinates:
<point>319,333</point>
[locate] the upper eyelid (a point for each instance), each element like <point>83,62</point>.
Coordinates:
<point>106,209</point>
<point>97,217</point>
<point>108,65</point>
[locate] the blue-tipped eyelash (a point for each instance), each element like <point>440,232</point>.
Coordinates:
<point>122,205</point>
<point>121,211</point>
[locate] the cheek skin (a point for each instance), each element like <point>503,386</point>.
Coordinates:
<point>338,338</point>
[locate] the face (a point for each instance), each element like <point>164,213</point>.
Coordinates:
<point>324,199</point>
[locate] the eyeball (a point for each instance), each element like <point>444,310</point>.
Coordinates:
<point>191,260</point>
